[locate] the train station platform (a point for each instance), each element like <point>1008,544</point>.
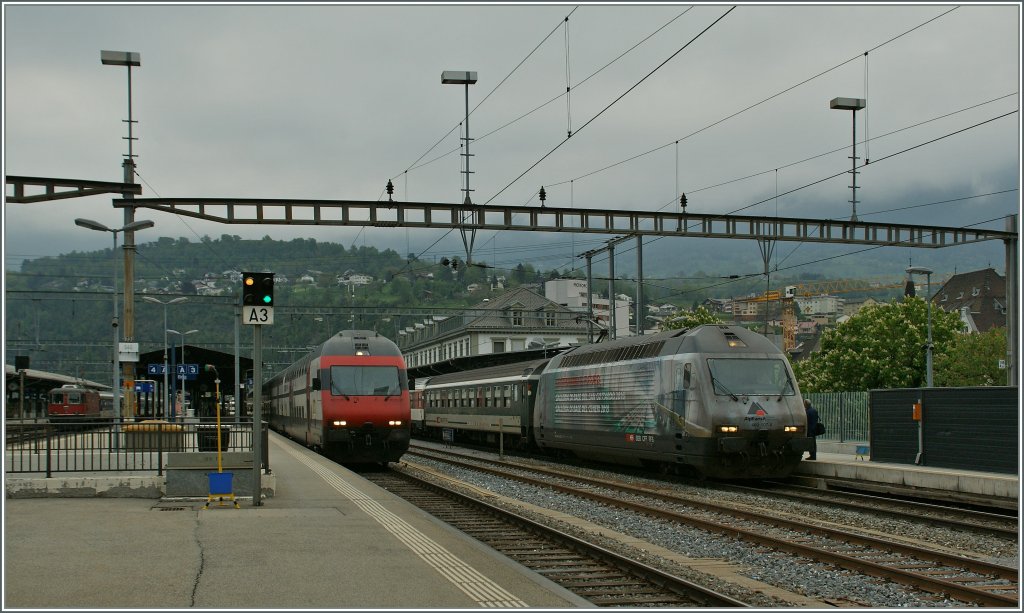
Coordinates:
<point>849,464</point>
<point>327,538</point>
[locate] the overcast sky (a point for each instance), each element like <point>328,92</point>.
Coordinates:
<point>332,101</point>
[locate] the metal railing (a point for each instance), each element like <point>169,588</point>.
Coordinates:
<point>66,446</point>
<point>845,415</point>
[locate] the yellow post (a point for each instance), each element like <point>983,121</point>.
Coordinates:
<point>216,399</point>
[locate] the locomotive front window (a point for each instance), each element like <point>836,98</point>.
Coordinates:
<point>733,376</point>
<point>365,381</point>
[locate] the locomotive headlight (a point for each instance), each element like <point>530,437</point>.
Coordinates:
<point>337,423</point>
<point>395,422</point>
<point>728,429</point>
<point>792,428</point>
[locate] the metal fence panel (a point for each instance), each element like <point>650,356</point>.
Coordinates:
<point>893,429</point>
<point>972,428</point>
<point>107,446</point>
<point>845,415</point>
<point>968,428</point>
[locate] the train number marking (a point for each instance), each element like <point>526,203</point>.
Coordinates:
<point>257,315</point>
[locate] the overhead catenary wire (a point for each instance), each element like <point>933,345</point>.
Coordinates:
<point>554,99</point>
<point>568,84</point>
<point>892,155</point>
<point>413,166</point>
<point>820,155</point>
<point>754,105</point>
<point>612,103</point>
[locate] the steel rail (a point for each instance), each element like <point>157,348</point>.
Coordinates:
<point>666,581</point>
<point>920,581</point>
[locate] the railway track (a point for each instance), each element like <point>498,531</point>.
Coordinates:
<point>944,516</point>
<point>602,577</point>
<point>939,573</point>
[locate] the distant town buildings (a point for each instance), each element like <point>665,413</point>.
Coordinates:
<point>979,297</point>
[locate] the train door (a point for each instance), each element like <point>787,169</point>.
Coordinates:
<point>307,384</point>
<point>681,390</point>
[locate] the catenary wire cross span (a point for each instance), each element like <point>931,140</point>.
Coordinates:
<point>611,104</point>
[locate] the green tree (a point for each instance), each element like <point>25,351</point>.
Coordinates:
<point>972,359</point>
<point>881,347</point>
<point>690,319</point>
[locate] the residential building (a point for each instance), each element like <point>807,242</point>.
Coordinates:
<point>979,297</point>
<point>822,304</point>
<point>517,320</point>
<point>572,293</point>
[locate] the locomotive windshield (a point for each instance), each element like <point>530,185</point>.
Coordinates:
<point>732,376</point>
<point>365,381</point>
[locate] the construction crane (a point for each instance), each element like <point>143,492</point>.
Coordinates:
<point>788,313</point>
<point>817,288</point>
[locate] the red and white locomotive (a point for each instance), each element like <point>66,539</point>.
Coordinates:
<point>348,398</point>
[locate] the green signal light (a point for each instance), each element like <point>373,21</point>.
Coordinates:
<point>267,299</point>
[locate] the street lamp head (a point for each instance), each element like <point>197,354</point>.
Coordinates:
<point>154,300</point>
<point>92,225</point>
<point>141,224</point>
<point>919,270</point>
<point>847,104</point>
<point>458,77</point>
<point>121,58</point>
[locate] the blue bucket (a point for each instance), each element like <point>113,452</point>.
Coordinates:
<point>220,483</point>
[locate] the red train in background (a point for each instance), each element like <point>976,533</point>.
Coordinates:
<point>348,399</point>
<point>74,402</point>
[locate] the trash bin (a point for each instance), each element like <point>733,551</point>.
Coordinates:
<point>206,436</point>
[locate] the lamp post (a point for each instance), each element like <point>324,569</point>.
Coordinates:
<point>921,270</point>
<point>178,300</point>
<point>854,105</point>
<point>467,78</point>
<point>174,390</point>
<point>128,59</point>
<point>131,227</point>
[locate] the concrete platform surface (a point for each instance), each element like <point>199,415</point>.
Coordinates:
<point>327,539</point>
<point>964,484</point>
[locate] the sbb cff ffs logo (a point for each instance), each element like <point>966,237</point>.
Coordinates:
<point>258,289</point>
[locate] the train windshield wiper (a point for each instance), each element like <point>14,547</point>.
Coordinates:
<point>717,383</point>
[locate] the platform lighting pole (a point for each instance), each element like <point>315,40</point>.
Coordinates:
<point>467,78</point>
<point>854,105</point>
<point>167,390</point>
<point>115,381</point>
<point>921,270</point>
<point>128,59</point>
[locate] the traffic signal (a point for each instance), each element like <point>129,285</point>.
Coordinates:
<point>258,289</point>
